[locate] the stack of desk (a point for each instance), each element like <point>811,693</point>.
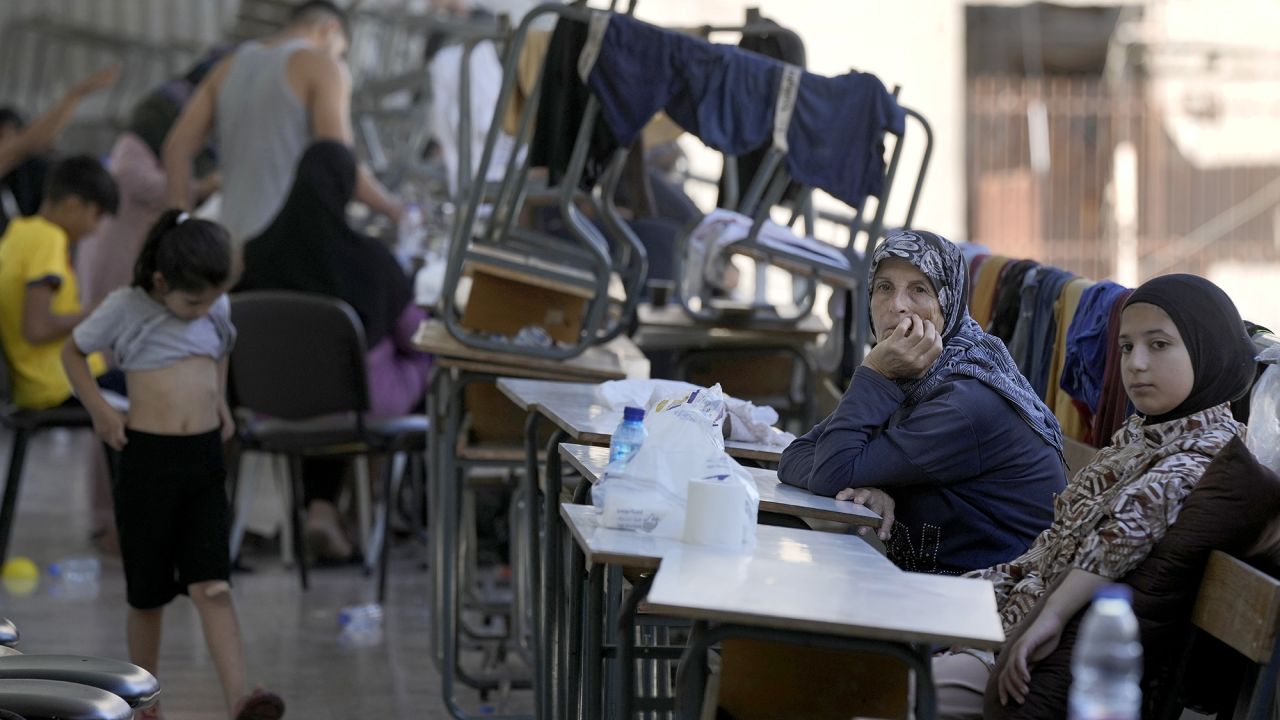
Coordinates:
<point>577,414</point>
<point>455,367</point>
<point>755,363</point>
<point>797,586</point>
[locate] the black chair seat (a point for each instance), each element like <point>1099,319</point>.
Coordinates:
<point>134,685</point>
<point>30,420</point>
<point>407,432</point>
<point>337,434</point>
<point>61,700</point>
<point>8,633</point>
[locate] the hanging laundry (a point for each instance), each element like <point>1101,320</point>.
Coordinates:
<point>1044,328</point>
<point>1020,345</point>
<point>1004,316</point>
<point>982,298</point>
<point>1113,406</point>
<point>562,103</point>
<point>1084,365</point>
<point>1074,424</point>
<point>728,98</point>
<point>532,56</point>
<point>785,47</point>
<point>974,263</point>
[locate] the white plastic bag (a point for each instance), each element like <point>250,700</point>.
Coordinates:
<point>1263,438</point>
<point>648,492</point>
<point>748,422</point>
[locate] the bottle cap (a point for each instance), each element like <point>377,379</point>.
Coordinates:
<point>1114,592</point>
<point>633,414</point>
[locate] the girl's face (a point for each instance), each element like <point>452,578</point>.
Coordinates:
<point>1155,364</point>
<point>900,290</point>
<point>185,304</point>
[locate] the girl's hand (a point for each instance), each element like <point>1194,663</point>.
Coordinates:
<point>228,421</point>
<point>109,424</point>
<point>1034,645</point>
<point>877,501</point>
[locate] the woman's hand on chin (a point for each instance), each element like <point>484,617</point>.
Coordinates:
<point>908,352</point>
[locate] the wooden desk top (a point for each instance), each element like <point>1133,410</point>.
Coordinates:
<point>605,362</point>
<point>527,393</point>
<point>669,328</point>
<point>774,495</point>
<point>672,316</point>
<point>631,549</point>
<point>576,409</point>
<point>791,586</point>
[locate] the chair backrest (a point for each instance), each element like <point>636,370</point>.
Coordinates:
<point>1239,605</point>
<point>297,355</point>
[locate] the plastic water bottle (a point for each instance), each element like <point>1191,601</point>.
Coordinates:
<point>1106,667</point>
<point>361,625</point>
<point>411,233</point>
<point>78,569</point>
<point>629,435</point>
<point>357,618</point>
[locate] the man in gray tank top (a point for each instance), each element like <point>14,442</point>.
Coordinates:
<point>268,102</point>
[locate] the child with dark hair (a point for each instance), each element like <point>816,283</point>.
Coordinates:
<point>171,334</point>
<point>39,292</point>
<point>24,146</point>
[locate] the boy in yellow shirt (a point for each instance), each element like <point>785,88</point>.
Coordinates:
<point>39,295</point>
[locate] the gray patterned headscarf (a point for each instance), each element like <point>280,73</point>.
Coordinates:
<point>966,349</point>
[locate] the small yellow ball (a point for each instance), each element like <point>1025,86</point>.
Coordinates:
<point>19,567</point>
<point>20,575</point>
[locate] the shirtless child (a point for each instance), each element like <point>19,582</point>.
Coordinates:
<point>171,333</point>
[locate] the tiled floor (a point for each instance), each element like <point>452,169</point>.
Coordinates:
<point>291,637</point>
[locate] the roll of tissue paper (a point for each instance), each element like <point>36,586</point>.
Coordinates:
<point>716,514</point>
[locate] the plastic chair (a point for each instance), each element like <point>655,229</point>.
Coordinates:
<point>8,633</point>
<point>137,687</point>
<point>60,700</point>
<point>299,368</point>
<point>24,423</point>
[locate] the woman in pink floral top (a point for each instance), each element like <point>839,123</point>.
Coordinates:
<point>1185,357</point>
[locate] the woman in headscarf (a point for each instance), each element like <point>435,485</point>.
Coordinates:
<point>938,431</point>
<point>1185,356</point>
<point>309,247</point>
<point>105,260</point>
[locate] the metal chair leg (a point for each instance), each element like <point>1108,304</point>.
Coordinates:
<point>13,481</point>
<point>297,516</point>
<point>385,545</point>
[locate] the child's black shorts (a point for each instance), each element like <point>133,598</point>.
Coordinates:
<point>172,514</point>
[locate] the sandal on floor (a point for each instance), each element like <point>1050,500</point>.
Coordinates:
<point>261,705</point>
